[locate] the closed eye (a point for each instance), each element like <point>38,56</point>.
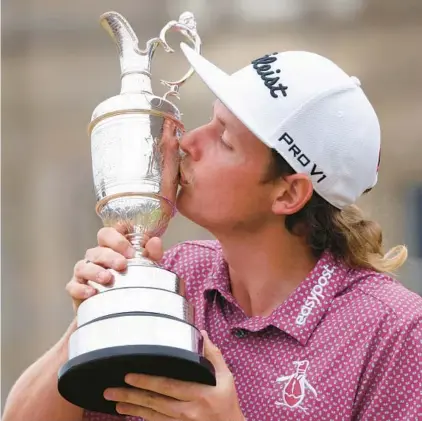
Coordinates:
<point>226,144</point>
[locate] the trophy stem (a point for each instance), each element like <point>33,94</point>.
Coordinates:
<point>137,239</point>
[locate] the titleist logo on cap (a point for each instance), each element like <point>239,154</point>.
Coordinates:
<point>268,74</point>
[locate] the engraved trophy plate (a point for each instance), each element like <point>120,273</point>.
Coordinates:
<point>141,323</point>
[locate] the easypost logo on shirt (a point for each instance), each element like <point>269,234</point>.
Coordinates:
<point>317,294</point>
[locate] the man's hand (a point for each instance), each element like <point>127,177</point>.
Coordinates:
<point>164,399</point>
<point>112,252</point>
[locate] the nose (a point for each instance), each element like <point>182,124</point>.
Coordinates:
<point>190,144</point>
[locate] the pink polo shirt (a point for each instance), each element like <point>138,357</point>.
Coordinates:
<point>346,345</point>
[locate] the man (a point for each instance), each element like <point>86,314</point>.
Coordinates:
<point>303,321</point>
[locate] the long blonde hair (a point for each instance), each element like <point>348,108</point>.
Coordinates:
<point>363,242</point>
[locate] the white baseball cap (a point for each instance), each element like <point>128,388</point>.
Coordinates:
<point>310,111</point>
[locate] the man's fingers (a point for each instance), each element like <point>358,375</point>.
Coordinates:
<point>154,249</point>
<point>107,258</point>
<point>138,411</point>
<point>163,405</point>
<point>177,389</point>
<point>79,291</point>
<point>111,238</point>
<point>169,148</point>
<point>89,271</point>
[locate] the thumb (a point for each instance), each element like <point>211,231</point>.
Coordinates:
<point>154,249</point>
<point>213,354</point>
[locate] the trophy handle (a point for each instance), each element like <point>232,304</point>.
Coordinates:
<point>186,25</point>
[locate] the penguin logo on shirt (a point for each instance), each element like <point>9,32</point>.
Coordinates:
<point>295,386</point>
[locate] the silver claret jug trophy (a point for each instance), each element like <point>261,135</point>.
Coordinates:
<point>142,323</point>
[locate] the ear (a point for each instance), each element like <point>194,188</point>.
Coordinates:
<point>292,194</point>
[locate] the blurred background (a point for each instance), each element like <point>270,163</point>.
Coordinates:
<point>58,64</point>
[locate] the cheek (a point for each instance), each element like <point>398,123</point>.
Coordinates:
<point>228,187</point>
<point>221,178</point>
<point>225,196</point>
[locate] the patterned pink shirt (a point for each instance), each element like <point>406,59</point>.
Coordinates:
<point>346,345</point>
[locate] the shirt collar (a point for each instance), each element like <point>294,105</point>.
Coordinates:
<point>300,314</point>
<point>219,279</point>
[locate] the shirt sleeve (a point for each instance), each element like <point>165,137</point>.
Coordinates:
<point>391,388</point>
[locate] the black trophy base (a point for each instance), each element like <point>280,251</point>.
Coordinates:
<point>83,379</point>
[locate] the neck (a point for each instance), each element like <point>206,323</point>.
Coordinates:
<point>265,267</point>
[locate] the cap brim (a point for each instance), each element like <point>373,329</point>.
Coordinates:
<point>224,87</point>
